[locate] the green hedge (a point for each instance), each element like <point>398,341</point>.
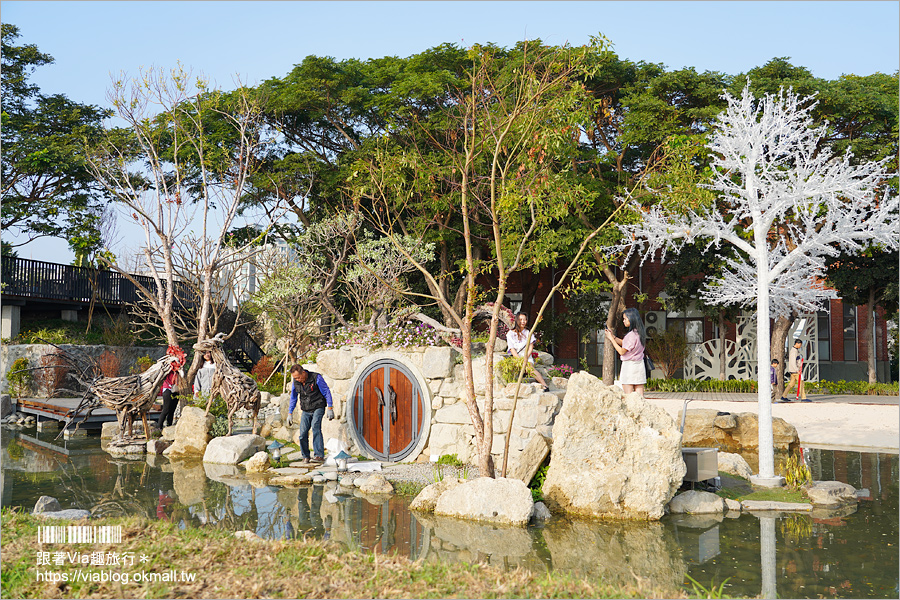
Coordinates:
<point>855,388</point>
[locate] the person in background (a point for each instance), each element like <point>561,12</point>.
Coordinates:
<point>631,349</point>
<point>170,399</point>
<point>773,377</point>
<point>794,364</point>
<point>204,377</point>
<point>314,396</point>
<point>519,343</point>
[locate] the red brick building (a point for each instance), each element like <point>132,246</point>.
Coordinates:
<point>832,337</point>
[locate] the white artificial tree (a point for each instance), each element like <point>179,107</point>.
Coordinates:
<point>784,202</point>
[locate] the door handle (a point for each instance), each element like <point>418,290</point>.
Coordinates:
<point>380,404</point>
<point>392,398</point>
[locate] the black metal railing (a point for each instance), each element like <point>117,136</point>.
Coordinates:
<point>23,278</point>
<point>39,280</point>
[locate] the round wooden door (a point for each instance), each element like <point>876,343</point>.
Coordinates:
<point>387,410</point>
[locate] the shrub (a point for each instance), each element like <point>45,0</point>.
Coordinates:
<point>697,385</point>
<point>668,351</point>
<point>796,473</point>
<point>18,379</point>
<point>537,482</point>
<point>561,371</point>
<point>450,459</point>
<point>510,366</point>
<point>52,374</point>
<point>263,369</point>
<point>117,332</point>
<point>141,364</point>
<point>109,364</point>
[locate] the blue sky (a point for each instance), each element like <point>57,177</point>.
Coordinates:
<point>260,40</point>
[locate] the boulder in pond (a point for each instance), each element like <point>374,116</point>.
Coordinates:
<point>706,428</point>
<point>428,497</point>
<point>232,449</point>
<point>375,484</point>
<point>258,463</point>
<point>831,493</point>
<point>191,433</point>
<point>696,502</point>
<point>734,464</point>
<point>614,455</point>
<point>501,501</point>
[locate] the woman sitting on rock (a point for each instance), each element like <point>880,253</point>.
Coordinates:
<point>519,342</point>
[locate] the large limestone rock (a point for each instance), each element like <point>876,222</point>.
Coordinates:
<point>191,433</point>
<point>706,428</point>
<point>109,430</point>
<point>734,464</point>
<point>831,493</point>
<point>376,484</point>
<point>5,405</point>
<point>613,455</point>
<point>530,459</point>
<point>502,501</point>
<point>437,362</point>
<point>233,449</point>
<point>696,502</point>
<point>336,364</point>
<point>428,497</point>
<point>258,463</point>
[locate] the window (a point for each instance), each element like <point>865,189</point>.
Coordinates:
<point>850,332</point>
<point>689,327</point>
<point>824,326</point>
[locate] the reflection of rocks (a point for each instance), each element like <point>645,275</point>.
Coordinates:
<point>696,521</point>
<point>617,551</point>
<point>613,455</point>
<point>512,542</point>
<point>829,513</point>
<point>189,481</point>
<point>230,475</point>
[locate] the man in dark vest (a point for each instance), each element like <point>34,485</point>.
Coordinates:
<point>314,396</point>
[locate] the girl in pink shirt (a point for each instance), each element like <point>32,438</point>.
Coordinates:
<point>631,349</point>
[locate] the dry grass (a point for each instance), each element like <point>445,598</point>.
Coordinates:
<point>229,568</point>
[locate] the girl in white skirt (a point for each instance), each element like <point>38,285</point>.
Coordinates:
<point>631,349</point>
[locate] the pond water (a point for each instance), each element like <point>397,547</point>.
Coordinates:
<point>849,554</point>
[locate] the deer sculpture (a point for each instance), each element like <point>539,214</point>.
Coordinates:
<point>236,389</point>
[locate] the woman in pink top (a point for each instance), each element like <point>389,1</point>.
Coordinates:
<point>631,349</point>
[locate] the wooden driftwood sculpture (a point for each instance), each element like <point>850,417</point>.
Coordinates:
<point>129,396</point>
<point>235,388</point>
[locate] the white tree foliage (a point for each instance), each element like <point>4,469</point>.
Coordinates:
<point>785,203</point>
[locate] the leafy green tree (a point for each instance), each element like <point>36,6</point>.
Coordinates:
<point>498,161</point>
<point>866,279</point>
<point>47,189</point>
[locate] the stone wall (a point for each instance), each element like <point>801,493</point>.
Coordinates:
<point>451,430</point>
<point>33,352</point>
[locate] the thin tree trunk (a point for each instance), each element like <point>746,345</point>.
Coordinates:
<point>869,338</point>
<point>616,308</point>
<point>779,337</point>
<point>723,375</point>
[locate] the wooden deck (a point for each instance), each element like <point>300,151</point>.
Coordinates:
<point>55,409</point>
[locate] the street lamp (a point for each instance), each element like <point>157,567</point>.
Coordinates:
<point>341,460</point>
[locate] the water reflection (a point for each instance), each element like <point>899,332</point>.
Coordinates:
<point>846,553</point>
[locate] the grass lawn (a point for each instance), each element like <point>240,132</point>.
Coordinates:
<point>225,567</point>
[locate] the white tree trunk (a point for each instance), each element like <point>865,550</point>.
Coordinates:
<point>763,360</point>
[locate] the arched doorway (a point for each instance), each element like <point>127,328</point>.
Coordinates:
<point>387,412</point>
